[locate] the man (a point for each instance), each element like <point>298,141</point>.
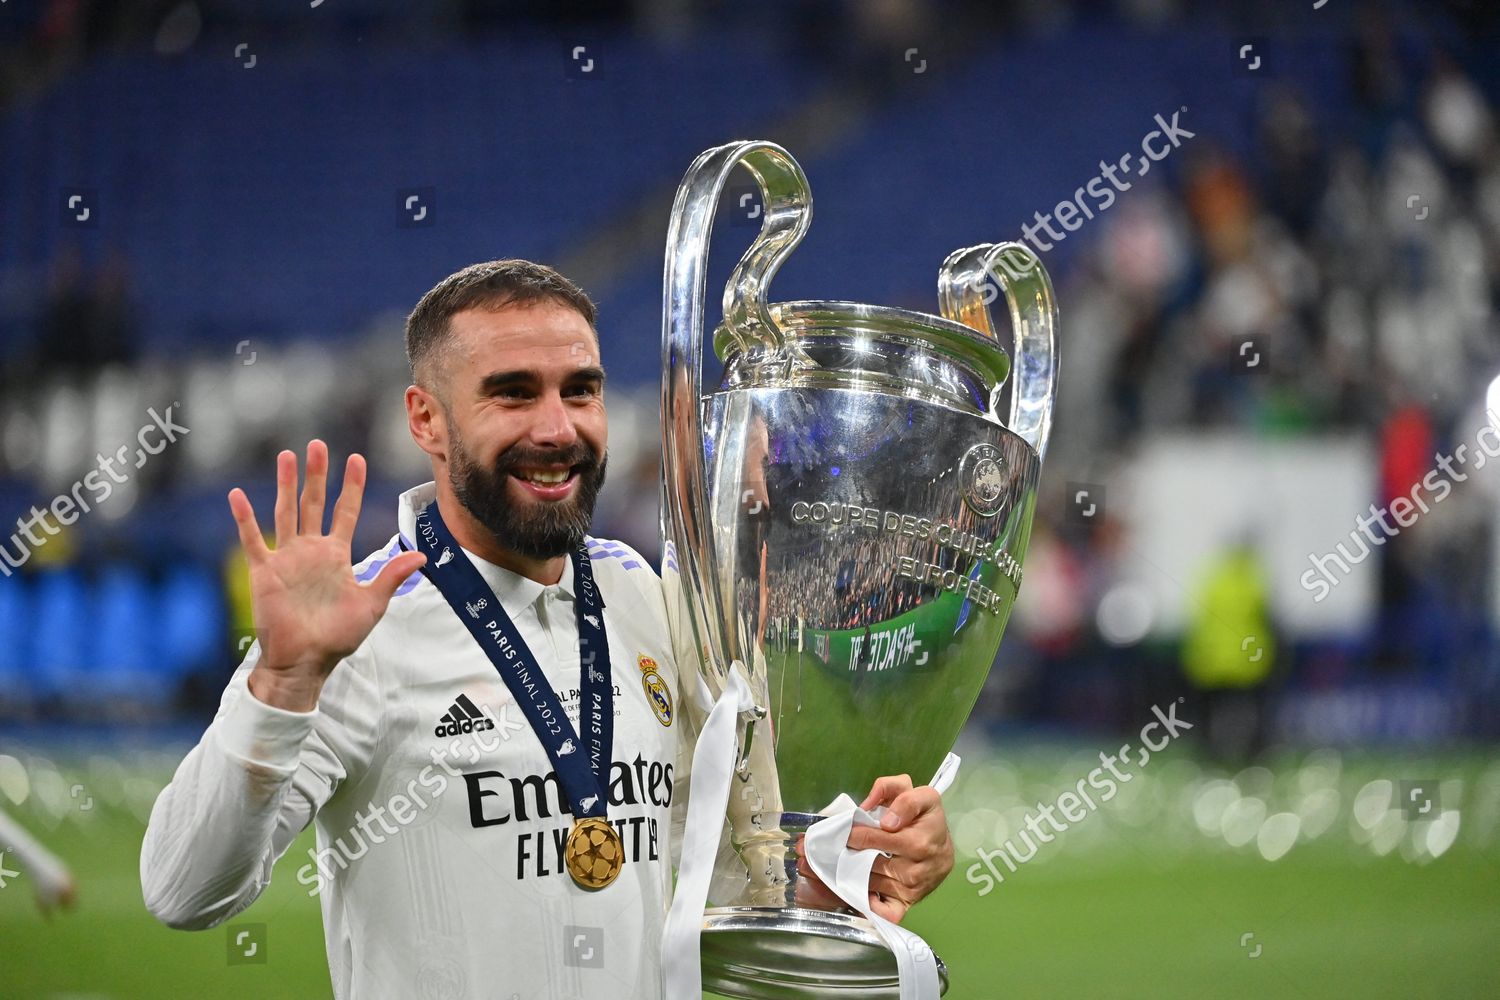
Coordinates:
<point>380,704</point>
<point>51,882</point>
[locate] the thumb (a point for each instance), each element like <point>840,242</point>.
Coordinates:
<point>395,574</point>
<point>885,790</point>
<point>889,907</point>
<point>910,806</point>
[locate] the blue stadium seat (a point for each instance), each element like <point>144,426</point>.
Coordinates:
<point>16,681</point>
<point>124,668</point>
<point>182,147</point>
<point>190,614</point>
<point>62,639</point>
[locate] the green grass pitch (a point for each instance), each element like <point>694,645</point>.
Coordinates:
<point>1132,902</point>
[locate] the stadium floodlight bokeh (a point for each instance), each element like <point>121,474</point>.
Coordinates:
<point>1273,490</point>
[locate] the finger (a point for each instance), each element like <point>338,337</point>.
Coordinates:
<point>890,908</point>
<point>804,867</point>
<point>895,872</point>
<point>898,890</point>
<point>351,499</point>
<point>892,888</point>
<point>813,893</point>
<point>251,540</point>
<point>910,806</point>
<point>895,878</point>
<point>871,838</point>
<point>315,489</point>
<point>885,790</point>
<point>394,575</point>
<point>286,497</point>
<point>899,871</point>
<point>923,840</point>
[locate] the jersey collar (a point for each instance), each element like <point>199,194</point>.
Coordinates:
<point>513,589</point>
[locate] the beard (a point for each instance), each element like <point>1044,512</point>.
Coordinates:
<point>536,529</point>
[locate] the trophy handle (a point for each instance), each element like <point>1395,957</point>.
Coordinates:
<point>964,295</point>
<point>787,209</point>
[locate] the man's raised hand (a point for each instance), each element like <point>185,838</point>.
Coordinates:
<point>309,610</point>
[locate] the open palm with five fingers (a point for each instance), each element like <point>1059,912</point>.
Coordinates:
<point>310,612</point>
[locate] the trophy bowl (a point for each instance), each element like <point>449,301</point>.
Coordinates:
<point>845,517</point>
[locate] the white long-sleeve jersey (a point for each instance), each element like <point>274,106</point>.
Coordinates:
<point>440,822</point>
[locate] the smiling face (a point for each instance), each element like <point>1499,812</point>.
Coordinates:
<point>513,415</point>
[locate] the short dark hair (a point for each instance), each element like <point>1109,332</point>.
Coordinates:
<point>490,285</point>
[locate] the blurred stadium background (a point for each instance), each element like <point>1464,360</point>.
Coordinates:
<point>226,207</point>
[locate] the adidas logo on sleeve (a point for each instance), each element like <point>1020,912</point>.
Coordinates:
<point>463,717</point>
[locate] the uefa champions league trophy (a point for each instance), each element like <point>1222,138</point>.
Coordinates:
<point>845,517</point>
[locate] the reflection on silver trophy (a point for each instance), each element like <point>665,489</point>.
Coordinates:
<point>845,516</point>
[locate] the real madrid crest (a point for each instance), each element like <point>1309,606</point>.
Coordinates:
<point>982,479</point>
<point>657,693</point>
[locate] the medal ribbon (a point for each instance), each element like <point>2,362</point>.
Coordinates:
<point>584,776</point>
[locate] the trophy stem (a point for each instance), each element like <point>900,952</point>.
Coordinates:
<point>771,858</point>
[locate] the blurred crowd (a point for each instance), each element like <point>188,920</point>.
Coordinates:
<point>1336,287</point>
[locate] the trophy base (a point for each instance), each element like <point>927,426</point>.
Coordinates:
<point>774,953</point>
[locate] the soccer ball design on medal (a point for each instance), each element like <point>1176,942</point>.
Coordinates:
<point>657,693</point>
<point>594,854</point>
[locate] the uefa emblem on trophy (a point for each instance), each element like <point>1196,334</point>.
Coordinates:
<point>845,514</point>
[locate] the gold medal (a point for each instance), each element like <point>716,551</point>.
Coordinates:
<point>594,854</point>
